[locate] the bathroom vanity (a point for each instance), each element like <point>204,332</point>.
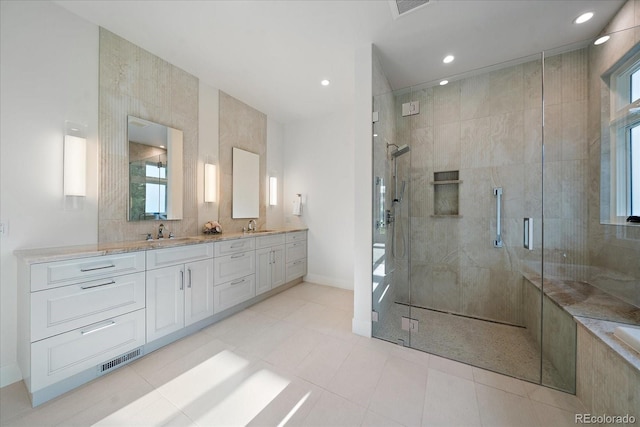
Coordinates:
<point>86,310</point>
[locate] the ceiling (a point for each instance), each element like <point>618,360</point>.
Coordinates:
<point>272,54</point>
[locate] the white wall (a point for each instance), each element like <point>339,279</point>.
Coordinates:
<point>49,74</point>
<point>318,163</point>
<point>275,167</point>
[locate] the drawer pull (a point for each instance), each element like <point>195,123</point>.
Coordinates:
<point>236,246</point>
<point>297,262</point>
<point>84,270</point>
<point>97,286</point>
<point>237,282</point>
<point>189,270</point>
<point>237,255</point>
<point>181,280</point>
<point>99,328</point>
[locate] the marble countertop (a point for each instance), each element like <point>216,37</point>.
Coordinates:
<point>34,256</point>
<point>603,330</point>
<point>585,300</point>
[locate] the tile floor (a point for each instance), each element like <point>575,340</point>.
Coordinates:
<point>292,360</point>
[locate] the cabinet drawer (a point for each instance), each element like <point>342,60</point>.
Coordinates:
<point>296,236</point>
<point>64,355</point>
<point>60,273</point>
<point>59,310</point>
<point>230,267</point>
<point>227,247</point>
<point>271,240</point>
<point>159,258</point>
<point>296,251</point>
<point>232,293</point>
<point>296,269</point>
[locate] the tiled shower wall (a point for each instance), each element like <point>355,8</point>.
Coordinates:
<point>135,82</point>
<point>489,127</point>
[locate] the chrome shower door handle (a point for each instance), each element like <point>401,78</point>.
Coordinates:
<point>497,243</point>
<point>527,237</point>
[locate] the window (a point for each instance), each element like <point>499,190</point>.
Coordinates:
<point>625,140</point>
<point>634,149</point>
<point>156,188</point>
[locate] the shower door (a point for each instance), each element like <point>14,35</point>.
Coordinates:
<point>465,200</point>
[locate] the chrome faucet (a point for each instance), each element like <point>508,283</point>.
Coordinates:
<point>160,228</point>
<point>252,225</point>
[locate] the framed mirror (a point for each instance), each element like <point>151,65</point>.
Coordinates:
<point>155,171</point>
<point>245,184</point>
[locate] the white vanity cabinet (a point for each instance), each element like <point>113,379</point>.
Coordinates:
<point>235,267</point>
<point>84,311</point>
<point>179,288</point>
<point>296,255</point>
<point>270,272</point>
<point>77,313</point>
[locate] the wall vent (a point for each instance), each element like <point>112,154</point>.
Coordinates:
<point>114,363</point>
<point>401,7</point>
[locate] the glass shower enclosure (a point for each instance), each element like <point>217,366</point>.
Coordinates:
<point>482,190</point>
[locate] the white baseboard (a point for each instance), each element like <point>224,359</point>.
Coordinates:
<point>360,327</point>
<point>329,281</point>
<point>10,374</point>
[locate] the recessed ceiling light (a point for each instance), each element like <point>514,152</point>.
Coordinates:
<point>444,82</point>
<point>601,40</point>
<point>583,18</point>
<point>325,82</point>
<point>448,59</point>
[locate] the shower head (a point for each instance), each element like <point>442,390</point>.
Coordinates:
<point>401,150</point>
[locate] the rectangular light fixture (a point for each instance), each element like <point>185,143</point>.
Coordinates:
<point>273,191</point>
<point>209,183</point>
<point>75,164</point>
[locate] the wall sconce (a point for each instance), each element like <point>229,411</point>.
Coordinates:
<point>75,160</point>
<point>209,183</point>
<point>273,191</point>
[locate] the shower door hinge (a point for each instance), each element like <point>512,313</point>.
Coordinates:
<point>374,117</point>
<point>374,316</point>
<point>410,325</point>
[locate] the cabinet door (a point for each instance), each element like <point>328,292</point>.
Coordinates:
<point>198,296</point>
<point>277,266</point>
<point>233,293</point>
<point>165,301</point>
<point>231,267</point>
<point>61,356</point>
<point>59,310</point>
<point>263,270</point>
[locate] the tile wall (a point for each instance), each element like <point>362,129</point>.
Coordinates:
<point>243,127</point>
<point>136,82</point>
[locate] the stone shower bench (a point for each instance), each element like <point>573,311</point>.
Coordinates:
<point>597,311</point>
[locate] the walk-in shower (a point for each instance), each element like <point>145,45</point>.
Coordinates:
<point>462,190</point>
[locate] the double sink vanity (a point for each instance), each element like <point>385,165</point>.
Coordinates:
<point>85,310</point>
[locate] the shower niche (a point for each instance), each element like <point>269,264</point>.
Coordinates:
<point>446,194</point>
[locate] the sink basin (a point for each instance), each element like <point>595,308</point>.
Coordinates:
<point>628,335</point>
